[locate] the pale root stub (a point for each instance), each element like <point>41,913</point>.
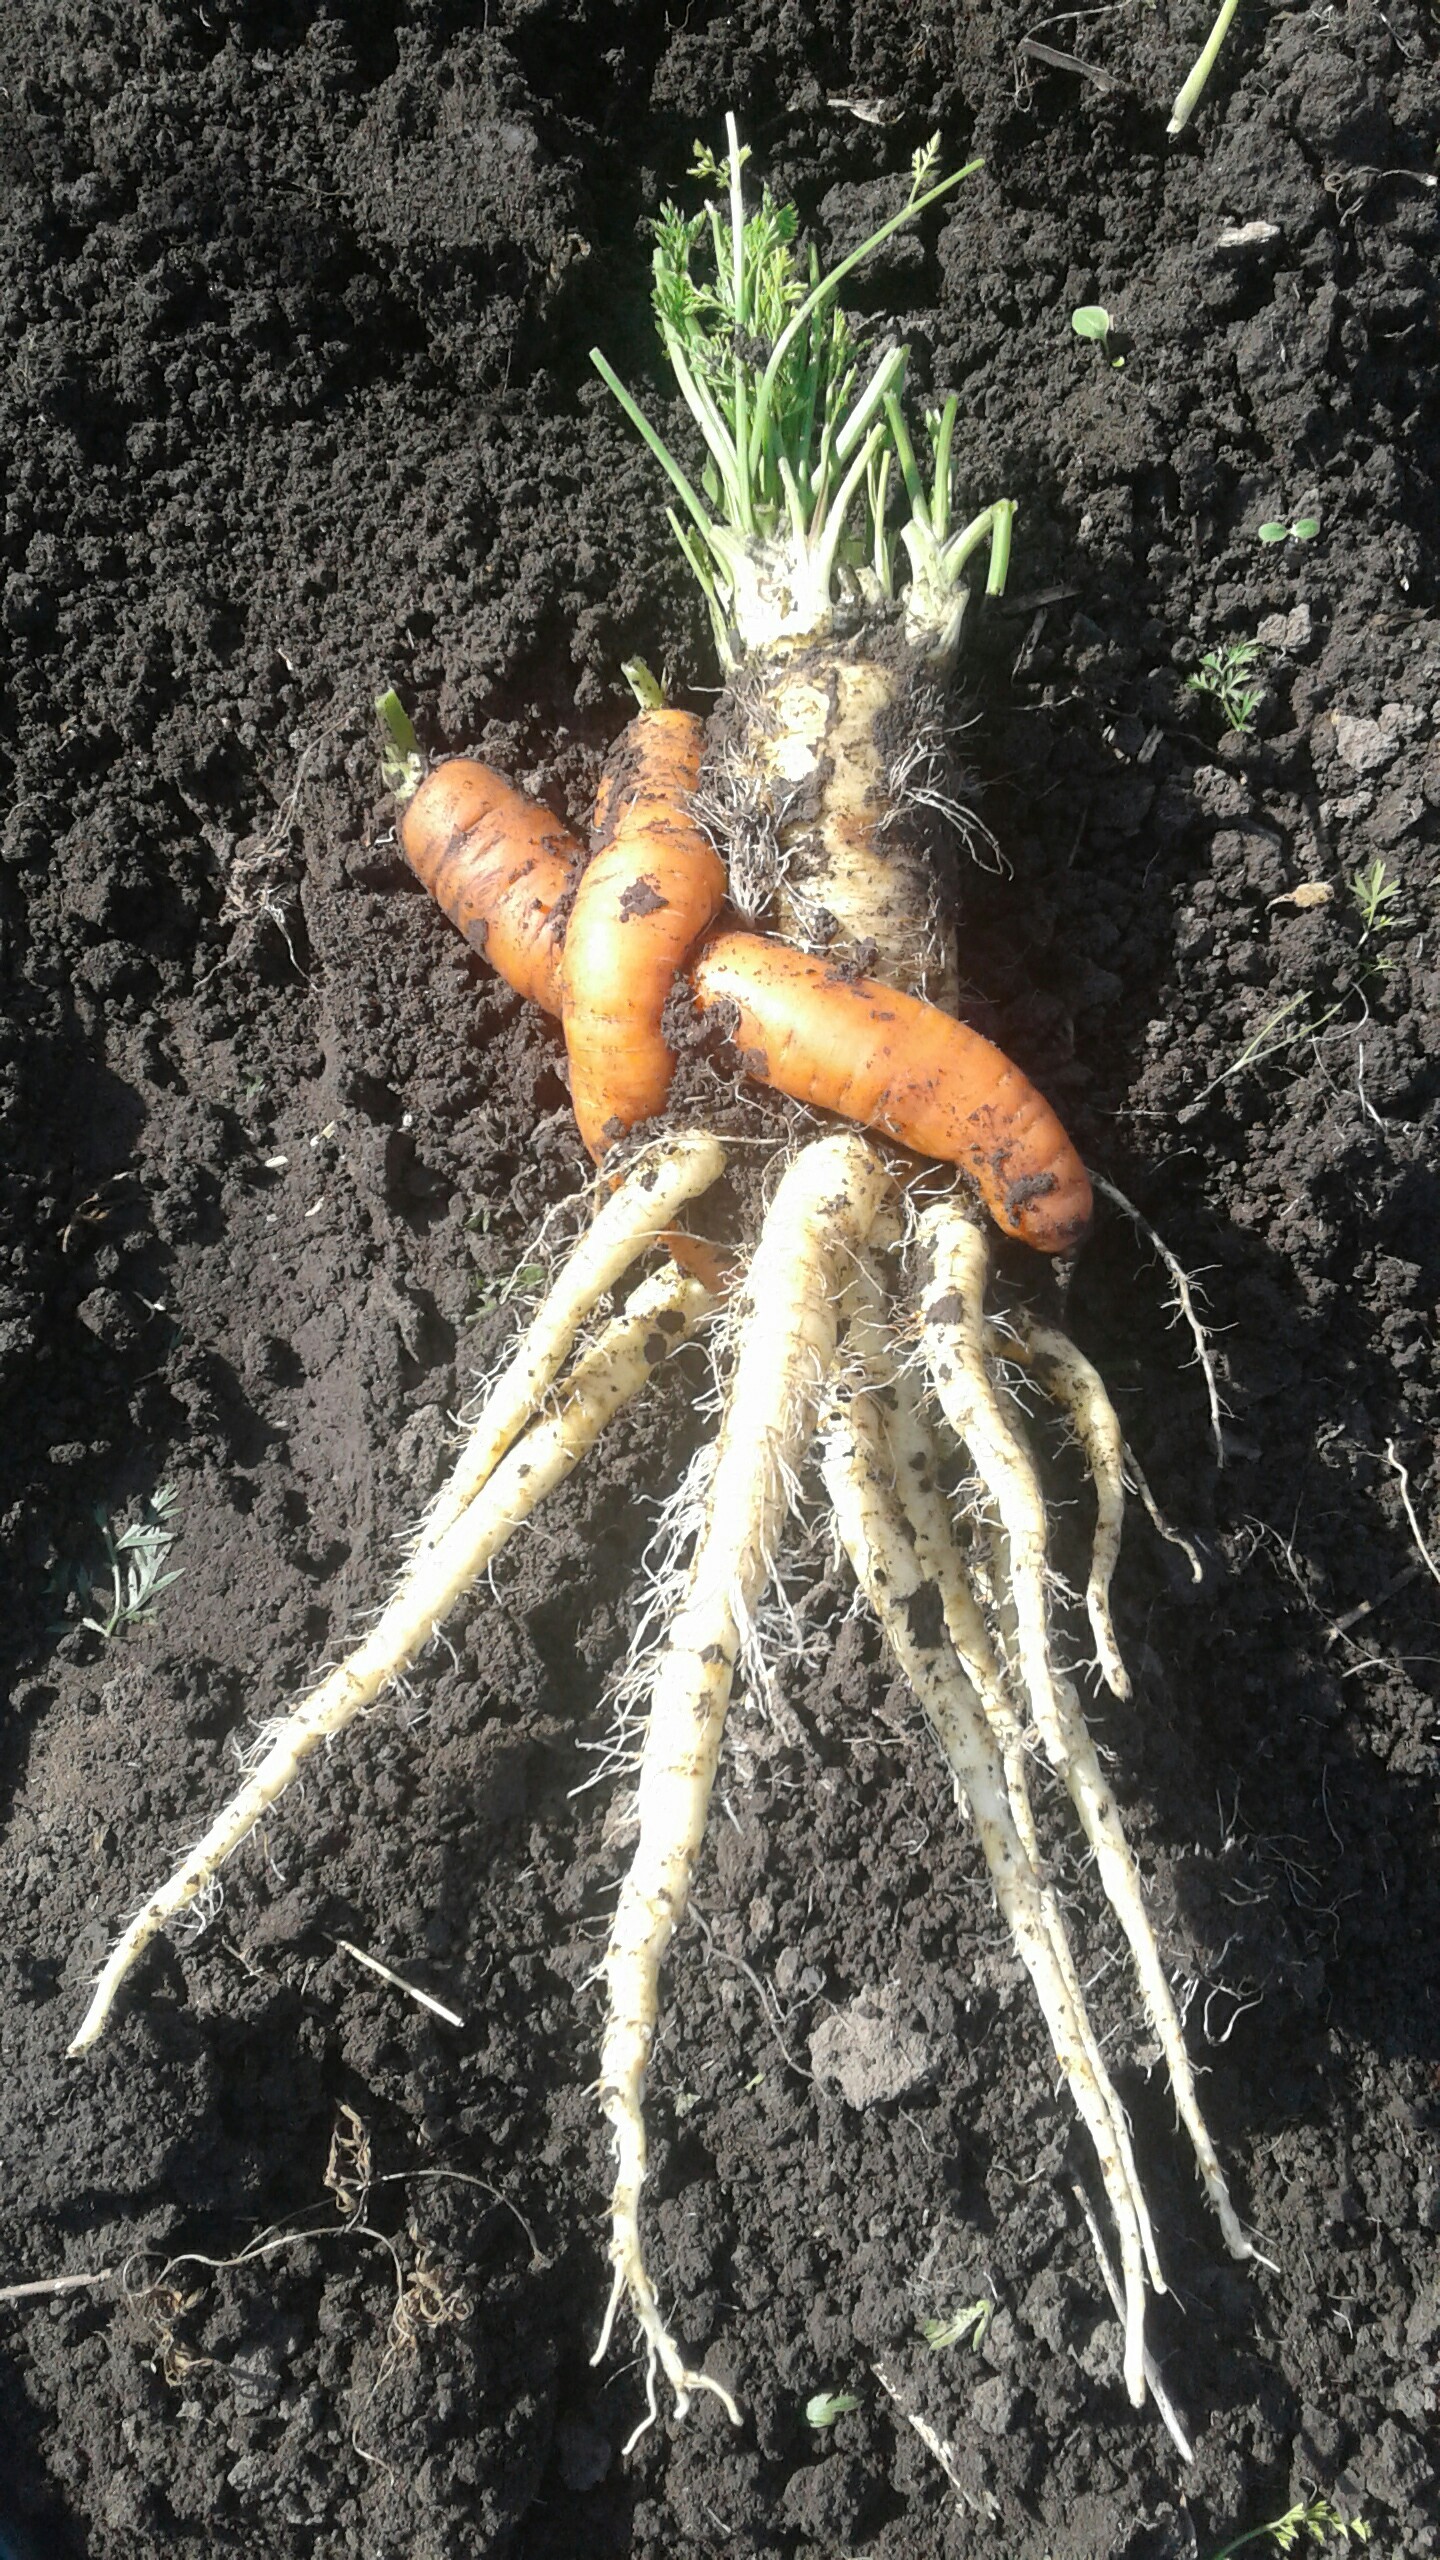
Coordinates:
<point>823,846</point>
<point>849,855</point>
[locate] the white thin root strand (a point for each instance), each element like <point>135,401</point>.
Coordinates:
<point>1185,1304</point>
<point>1072,1382</point>
<point>954,1334</point>
<point>1165,2406</point>
<point>1115,1860</point>
<point>820,1218</point>
<point>1400,1470</point>
<point>657,1316</point>
<point>907,1441</point>
<point>957,1340</point>
<point>634,1217</point>
<point>873,1531</point>
<point>1162,1527</point>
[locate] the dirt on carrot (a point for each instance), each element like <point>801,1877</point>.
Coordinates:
<point>653,883</point>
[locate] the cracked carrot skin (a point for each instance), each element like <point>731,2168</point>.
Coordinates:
<point>653,884</point>
<point>499,866</point>
<point>900,1066</point>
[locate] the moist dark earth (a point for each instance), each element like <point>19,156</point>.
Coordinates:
<point>297,404</point>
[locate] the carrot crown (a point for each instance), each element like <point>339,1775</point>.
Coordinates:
<point>792,533</point>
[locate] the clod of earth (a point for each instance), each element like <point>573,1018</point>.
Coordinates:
<point>810,802</point>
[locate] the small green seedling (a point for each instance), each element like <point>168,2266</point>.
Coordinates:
<point>1092,320</point>
<point>1375,889</point>
<point>827,2406</point>
<point>135,1558</point>
<point>1222,675</point>
<point>401,762</point>
<point>489,1294</point>
<point>970,2323</point>
<point>1303,529</point>
<point>1290,1023</point>
<point>1312,2520</point>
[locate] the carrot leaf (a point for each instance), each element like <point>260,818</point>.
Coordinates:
<point>801,423</point>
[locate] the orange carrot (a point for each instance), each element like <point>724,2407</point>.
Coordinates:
<point>653,883</point>
<point>499,866</point>
<point>900,1066</point>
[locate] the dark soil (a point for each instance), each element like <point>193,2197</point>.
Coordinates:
<point>296,309</point>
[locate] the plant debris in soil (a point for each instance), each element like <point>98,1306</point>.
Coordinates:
<point>296,305</point>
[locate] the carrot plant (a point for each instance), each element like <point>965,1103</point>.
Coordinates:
<point>837,566</point>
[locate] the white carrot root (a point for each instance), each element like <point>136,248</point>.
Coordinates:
<point>1075,1384</point>
<point>658,1316</point>
<point>871,1345</point>
<point>1094,1802</point>
<point>953,1320</point>
<point>871,1352</point>
<point>874,1533</point>
<point>636,1214</point>
<point>820,739</point>
<point>957,1341</point>
<point>821,1215</point>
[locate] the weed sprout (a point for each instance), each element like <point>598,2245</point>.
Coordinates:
<point>1223,674</point>
<point>135,1558</point>
<point>826,2406</point>
<point>971,2322</point>
<point>1092,320</point>
<point>1309,2520</point>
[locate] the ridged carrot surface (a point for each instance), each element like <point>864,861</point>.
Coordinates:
<point>652,885</point>
<point>498,865</point>
<point>900,1066</point>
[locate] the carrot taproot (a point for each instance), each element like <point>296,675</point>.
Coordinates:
<point>499,866</point>
<point>653,883</point>
<point>899,1065</point>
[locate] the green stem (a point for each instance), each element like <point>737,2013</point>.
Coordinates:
<point>742,315</point>
<point>712,427</point>
<point>401,763</point>
<point>662,453</point>
<point>879,495</point>
<point>882,388</point>
<point>944,439</point>
<point>799,524</point>
<point>834,528</point>
<point>1190,96</point>
<point>1000,546</point>
<point>826,289</point>
<point>702,571</point>
<point>909,467</point>
<point>649,692</point>
<point>994,525</point>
